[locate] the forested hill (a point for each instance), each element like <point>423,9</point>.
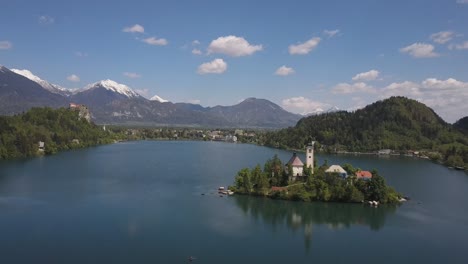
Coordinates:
<point>462,124</point>
<point>397,123</point>
<point>59,129</point>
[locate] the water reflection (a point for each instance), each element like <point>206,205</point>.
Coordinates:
<point>297,216</point>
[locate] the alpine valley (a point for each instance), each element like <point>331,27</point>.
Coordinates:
<point>114,103</point>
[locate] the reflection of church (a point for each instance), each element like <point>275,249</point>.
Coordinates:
<point>298,166</point>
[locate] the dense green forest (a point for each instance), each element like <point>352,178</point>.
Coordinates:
<point>462,124</point>
<point>397,123</point>
<point>59,129</point>
<point>318,186</point>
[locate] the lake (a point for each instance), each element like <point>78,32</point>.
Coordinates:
<point>142,202</point>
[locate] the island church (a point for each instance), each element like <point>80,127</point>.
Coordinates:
<point>298,166</point>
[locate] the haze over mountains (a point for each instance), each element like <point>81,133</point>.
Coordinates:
<point>114,103</point>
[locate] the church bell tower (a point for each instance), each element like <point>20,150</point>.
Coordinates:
<point>310,156</point>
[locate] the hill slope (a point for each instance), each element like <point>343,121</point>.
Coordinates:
<point>462,124</point>
<point>253,112</point>
<point>59,128</point>
<point>396,123</point>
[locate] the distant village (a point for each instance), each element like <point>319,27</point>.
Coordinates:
<point>227,135</point>
<point>223,135</point>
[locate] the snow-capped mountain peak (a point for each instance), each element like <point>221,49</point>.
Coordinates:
<point>333,109</point>
<point>45,84</point>
<point>113,86</point>
<point>158,99</point>
<point>319,111</point>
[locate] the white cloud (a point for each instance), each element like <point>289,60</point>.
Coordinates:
<point>233,46</point>
<point>331,33</point>
<point>449,84</point>
<point>358,103</point>
<point>73,78</point>
<point>134,29</point>
<point>366,76</point>
<point>81,54</point>
<point>46,20</point>
<point>5,44</point>
<point>195,42</point>
<point>303,105</point>
<point>462,1</point>
<point>461,46</point>
<point>304,48</point>
<point>193,101</point>
<point>420,50</point>
<point>346,88</point>
<point>196,52</point>
<point>442,37</point>
<point>284,71</point>
<point>406,88</point>
<point>143,92</point>
<point>132,75</point>
<point>216,66</point>
<point>155,41</point>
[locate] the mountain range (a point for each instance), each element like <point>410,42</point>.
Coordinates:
<point>114,103</point>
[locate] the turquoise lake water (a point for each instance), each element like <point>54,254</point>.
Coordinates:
<point>141,202</point>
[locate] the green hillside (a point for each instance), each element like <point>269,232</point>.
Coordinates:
<point>462,124</point>
<point>397,123</point>
<point>59,129</point>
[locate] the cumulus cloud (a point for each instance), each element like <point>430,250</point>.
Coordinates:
<point>196,52</point>
<point>46,20</point>
<point>346,88</point>
<point>134,29</point>
<point>284,71</point>
<point>193,101</point>
<point>81,54</point>
<point>233,46</point>
<point>420,50</point>
<point>155,41</point>
<point>406,88</point>
<point>331,33</point>
<point>132,75</point>
<point>449,84</point>
<point>304,48</point>
<point>303,105</point>
<point>195,42</point>
<point>73,78</point>
<point>216,66</point>
<point>442,37</point>
<point>462,46</point>
<point>5,44</point>
<point>366,76</point>
<point>143,92</point>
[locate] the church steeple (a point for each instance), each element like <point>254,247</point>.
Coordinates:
<point>310,156</point>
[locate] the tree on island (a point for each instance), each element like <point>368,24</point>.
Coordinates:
<point>319,186</point>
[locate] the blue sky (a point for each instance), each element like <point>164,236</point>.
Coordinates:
<point>335,53</point>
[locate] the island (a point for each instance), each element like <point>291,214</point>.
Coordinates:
<point>309,182</point>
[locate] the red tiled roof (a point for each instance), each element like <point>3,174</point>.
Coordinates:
<point>295,161</point>
<point>363,174</point>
